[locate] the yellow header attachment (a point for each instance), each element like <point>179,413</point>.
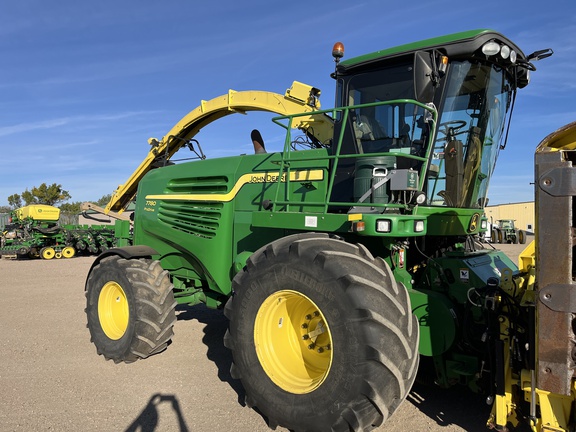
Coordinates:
<point>300,98</point>
<point>561,139</point>
<point>39,212</point>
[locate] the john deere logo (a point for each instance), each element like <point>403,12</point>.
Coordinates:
<point>474,222</point>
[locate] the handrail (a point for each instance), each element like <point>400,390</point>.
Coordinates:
<point>285,161</point>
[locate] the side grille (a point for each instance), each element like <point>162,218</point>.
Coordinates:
<point>195,218</point>
<point>195,185</point>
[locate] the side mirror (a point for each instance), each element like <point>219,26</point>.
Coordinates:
<point>539,55</point>
<point>425,77</point>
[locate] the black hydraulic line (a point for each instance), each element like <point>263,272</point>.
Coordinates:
<point>87,216</point>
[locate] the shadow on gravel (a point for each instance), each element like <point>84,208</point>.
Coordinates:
<point>148,418</point>
<point>447,407</point>
<point>457,406</point>
<point>215,328</point>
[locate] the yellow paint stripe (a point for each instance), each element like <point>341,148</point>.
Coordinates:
<point>251,178</point>
<point>355,217</point>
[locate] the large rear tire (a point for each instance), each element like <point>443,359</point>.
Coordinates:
<point>493,236</point>
<point>322,336</point>
<point>130,308</point>
<point>522,236</point>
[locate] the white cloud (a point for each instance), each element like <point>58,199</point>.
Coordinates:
<point>80,120</point>
<point>25,127</point>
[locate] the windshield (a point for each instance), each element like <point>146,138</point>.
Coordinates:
<point>454,166</point>
<point>470,130</point>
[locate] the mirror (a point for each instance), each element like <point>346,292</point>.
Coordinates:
<point>425,77</point>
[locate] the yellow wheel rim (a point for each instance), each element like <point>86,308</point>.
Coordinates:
<point>293,342</point>
<point>113,310</point>
<point>68,252</point>
<point>48,253</point>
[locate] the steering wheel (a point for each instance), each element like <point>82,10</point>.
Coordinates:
<point>452,128</point>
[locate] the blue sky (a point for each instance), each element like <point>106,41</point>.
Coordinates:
<point>83,85</point>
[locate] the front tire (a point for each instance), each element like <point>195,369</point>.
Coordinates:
<point>130,308</point>
<point>322,336</point>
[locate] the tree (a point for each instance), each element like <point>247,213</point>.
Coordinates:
<point>15,201</point>
<point>69,213</point>
<point>71,208</point>
<point>103,202</point>
<point>45,194</point>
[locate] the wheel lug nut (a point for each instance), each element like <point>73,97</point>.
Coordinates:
<point>316,313</point>
<point>304,326</point>
<point>305,337</point>
<point>308,317</point>
<point>320,350</point>
<point>311,346</point>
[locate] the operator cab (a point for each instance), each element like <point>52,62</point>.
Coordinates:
<point>424,122</point>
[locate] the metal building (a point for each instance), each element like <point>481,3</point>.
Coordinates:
<point>522,213</point>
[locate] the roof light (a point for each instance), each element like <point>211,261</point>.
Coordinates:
<point>338,51</point>
<point>490,48</point>
<point>505,51</point>
<point>513,56</point>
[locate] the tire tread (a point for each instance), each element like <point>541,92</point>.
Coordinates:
<point>372,290</point>
<point>154,306</point>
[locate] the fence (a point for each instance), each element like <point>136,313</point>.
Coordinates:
<point>3,220</point>
<point>68,219</point>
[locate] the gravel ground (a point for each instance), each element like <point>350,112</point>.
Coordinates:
<point>52,380</point>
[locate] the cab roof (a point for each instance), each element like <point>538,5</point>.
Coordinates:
<point>455,45</point>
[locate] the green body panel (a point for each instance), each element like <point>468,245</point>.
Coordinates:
<point>442,291</point>
<point>187,235</point>
<point>122,233</point>
<point>177,216</point>
<point>437,321</point>
<point>450,221</point>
